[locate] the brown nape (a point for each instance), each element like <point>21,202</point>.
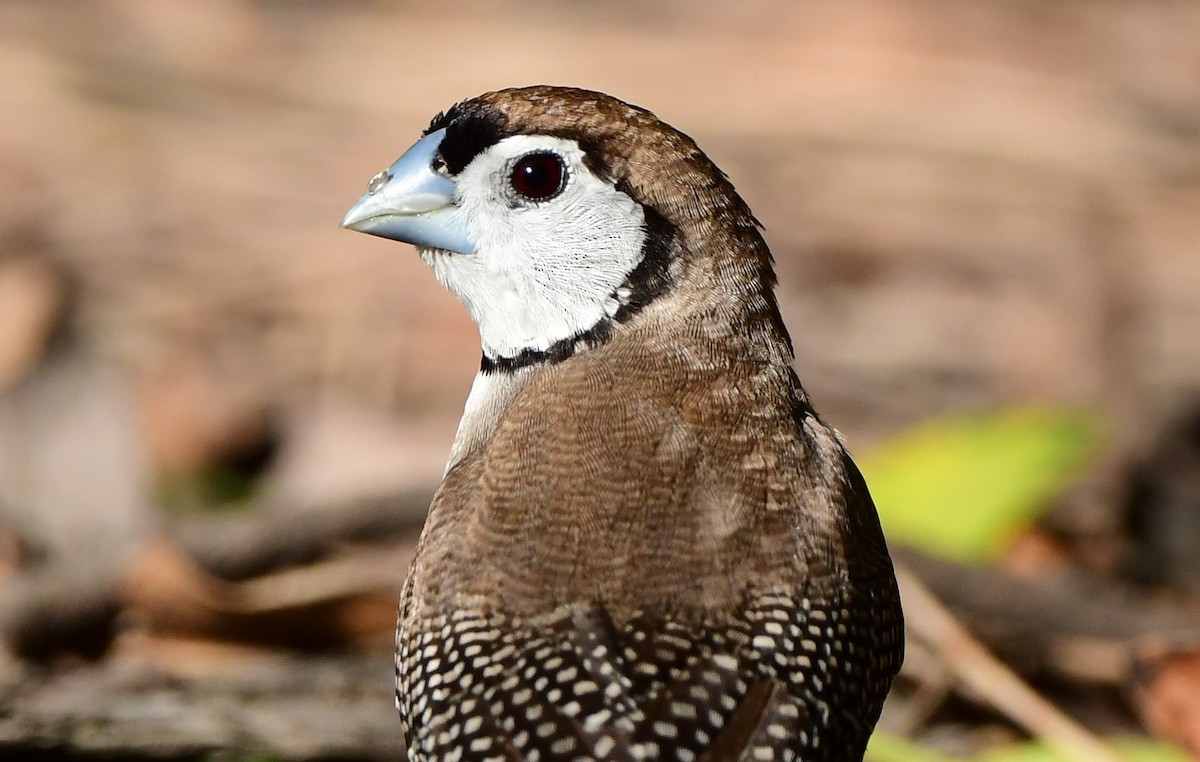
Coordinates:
<point>651,548</point>
<point>655,164</point>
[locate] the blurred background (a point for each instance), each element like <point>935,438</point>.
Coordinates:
<point>222,417</point>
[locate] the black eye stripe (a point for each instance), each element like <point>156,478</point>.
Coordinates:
<point>467,135</point>
<point>473,126</point>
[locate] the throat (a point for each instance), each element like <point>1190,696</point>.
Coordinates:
<point>647,282</point>
<point>530,316</point>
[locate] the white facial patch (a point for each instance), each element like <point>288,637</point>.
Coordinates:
<point>542,271</point>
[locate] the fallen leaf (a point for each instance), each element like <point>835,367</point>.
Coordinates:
<point>964,488</point>
<point>1168,682</point>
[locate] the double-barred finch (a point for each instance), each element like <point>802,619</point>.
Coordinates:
<point>646,545</point>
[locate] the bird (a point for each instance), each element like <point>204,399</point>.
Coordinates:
<point>646,544</point>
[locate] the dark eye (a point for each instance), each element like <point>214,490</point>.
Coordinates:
<point>538,176</point>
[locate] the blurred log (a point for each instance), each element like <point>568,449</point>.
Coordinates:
<point>224,581</point>
<point>351,600</point>
<point>1072,629</point>
<point>59,609</point>
<point>250,543</point>
<point>74,493</point>
<point>246,704</point>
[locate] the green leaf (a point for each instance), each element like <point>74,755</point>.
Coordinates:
<point>1129,749</point>
<point>885,747</point>
<point>962,488</point>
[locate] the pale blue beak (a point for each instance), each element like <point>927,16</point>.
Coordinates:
<point>411,202</point>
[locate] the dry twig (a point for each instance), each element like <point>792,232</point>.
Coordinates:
<point>975,668</point>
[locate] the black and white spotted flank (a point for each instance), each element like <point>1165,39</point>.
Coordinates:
<point>573,685</point>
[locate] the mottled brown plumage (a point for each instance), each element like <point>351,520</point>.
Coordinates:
<point>647,545</point>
